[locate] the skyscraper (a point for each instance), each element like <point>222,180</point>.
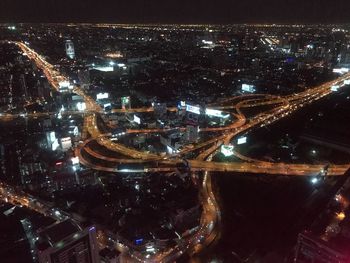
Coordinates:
<point>70,49</point>
<point>64,243</point>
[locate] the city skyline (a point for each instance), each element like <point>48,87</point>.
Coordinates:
<point>156,143</point>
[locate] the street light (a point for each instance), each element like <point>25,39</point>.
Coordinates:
<point>314,180</point>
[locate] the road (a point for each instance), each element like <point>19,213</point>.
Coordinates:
<point>279,107</point>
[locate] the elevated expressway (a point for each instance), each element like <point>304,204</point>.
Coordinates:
<point>281,107</point>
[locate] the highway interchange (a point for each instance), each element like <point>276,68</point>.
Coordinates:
<point>279,107</point>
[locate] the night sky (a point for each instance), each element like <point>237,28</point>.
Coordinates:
<point>176,11</point>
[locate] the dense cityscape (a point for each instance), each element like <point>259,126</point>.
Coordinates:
<point>174,143</point>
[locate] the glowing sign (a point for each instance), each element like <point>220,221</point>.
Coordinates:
<point>335,88</point>
<point>66,143</point>
<point>347,82</point>
<point>75,160</point>
<point>193,109</point>
<point>227,150</point>
<point>242,140</point>
<point>207,42</point>
<point>216,113</point>
<point>137,119</point>
<point>104,69</point>
<point>107,105</point>
<point>64,84</point>
<point>341,70</point>
<point>248,88</point>
<point>101,96</point>
<point>55,145</point>
<point>81,106</point>
<point>138,241</point>
<point>181,105</point>
<point>52,136</point>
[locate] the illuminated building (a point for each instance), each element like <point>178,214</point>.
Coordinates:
<point>313,249</point>
<point>65,242</point>
<point>70,52</point>
<point>24,86</point>
<point>227,150</point>
<point>126,103</point>
<point>192,133</point>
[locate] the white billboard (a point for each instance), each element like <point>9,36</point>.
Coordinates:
<point>66,143</point>
<point>107,105</point>
<point>340,70</point>
<point>242,140</point>
<point>52,136</point>
<point>81,106</point>
<point>216,113</point>
<point>101,96</point>
<point>75,160</point>
<point>335,88</point>
<point>248,88</point>
<point>55,145</point>
<point>104,69</point>
<point>347,82</point>
<point>137,119</point>
<point>193,109</point>
<point>64,84</point>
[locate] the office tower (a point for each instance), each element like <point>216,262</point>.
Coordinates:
<point>126,103</point>
<point>65,242</point>
<point>24,87</point>
<point>192,133</point>
<point>311,248</point>
<point>70,49</point>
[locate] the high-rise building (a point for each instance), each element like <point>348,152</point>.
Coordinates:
<point>192,133</point>
<point>311,248</point>
<point>10,162</point>
<point>160,109</point>
<point>84,77</point>
<point>126,103</point>
<point>344,57</point>
<point>70,49</point>
<point>24,87</point>
<point>65,243</point>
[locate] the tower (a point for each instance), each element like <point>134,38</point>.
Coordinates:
<point>65,242</point>
<point>24,86</point>
<point>70,49</point>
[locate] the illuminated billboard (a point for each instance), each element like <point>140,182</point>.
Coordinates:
<point>216,113</point>
<point>52,136</point>
<point>193,109</point>
<point>101,96</point>
<point>81,106</point>
<point>248,88</point>
<point>66,143</point>
<point>137,119</point>
<point>242,140</point>
<point>107,105</point>
<point>340,70</point>
<point>335,88</point>
<point>75,160</point>
<point>227,150</point>
<point>55,145</point>
<point>64,84</point>
<point>104,69</point>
